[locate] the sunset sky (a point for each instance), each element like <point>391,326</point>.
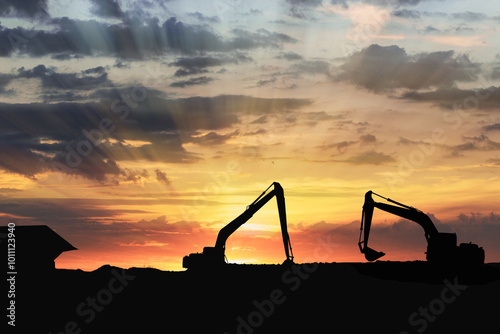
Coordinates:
<point>136,129</point>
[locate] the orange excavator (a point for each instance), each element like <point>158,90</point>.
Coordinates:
<point>215,256</point>
<point>441,247</point>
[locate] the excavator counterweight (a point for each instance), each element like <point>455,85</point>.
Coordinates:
<point>215,256</point>
<point>441,247</point>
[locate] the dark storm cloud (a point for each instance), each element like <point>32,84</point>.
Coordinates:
<point>202,18</point>
<point>469,16</point>
<point>106,8</point>
<point>491,127</point>
<point>65,56</point>
<point>90,223</point>
<point>5,79</point>
<point>85,80</point>
<point>312,3</point>
<point>31,156</point>
<point>212,138</point>
<point>199,62</point>
<point>318,116</point>
<point>481,143</point>
<point>407,13</point>
<point>36,137</point>
<point>97,227</point>
<point>132,39</point>
<point>198,65</point>
<point>191,82</point>
<point>156,113</point>
<point>476,143</point>
<point>430,30</point>
<point>342,147</point>
<point>181,72</point>
<point>380,68</point>
<point>393,3</point>
<point>40,137</point>
<point>299,8</point>
<point>262,83</point>
<point>260,120</point>
<point>350,125</point>
<point>289,56</point>
<point>56,86</point>
<point>75,138</point>
<point>462,28</point>
<point>262,38</point>
<point>371,157</point>
<point>210,61</point>
<point>462,16</point>
<point>162,177</point>
<point>367,139</point>
<point>25,8</point>
<point>453,98</point>
<point>58,209</point>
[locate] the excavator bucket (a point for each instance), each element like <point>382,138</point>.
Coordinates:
<point>371,254</point>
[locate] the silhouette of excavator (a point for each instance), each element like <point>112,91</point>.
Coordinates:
<point>441,247</point>
<point>215,256</point>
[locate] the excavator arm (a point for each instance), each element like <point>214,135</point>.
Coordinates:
<point>265,197</point>
<point>366,222</point>
<point>216,255</point>
<point>400,210</point>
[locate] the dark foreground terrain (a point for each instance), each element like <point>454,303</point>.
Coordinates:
<point>381,297</point>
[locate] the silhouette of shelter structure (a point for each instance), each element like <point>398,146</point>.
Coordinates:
<point>37,246</point>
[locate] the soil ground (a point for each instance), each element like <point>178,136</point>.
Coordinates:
<point>381,297</point>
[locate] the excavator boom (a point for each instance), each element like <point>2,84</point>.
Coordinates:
<point>401,210</point>
<point>265,197</point>
<point>216,255</point>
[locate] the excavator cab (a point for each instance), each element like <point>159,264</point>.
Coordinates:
<point>441,247</point>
